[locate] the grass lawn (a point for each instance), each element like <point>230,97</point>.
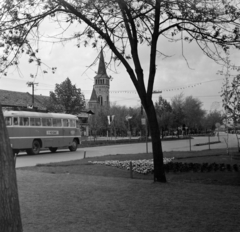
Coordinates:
<point>79,196</point>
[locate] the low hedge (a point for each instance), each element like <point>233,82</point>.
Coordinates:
<point>91,143</point>
<point>146,166</point>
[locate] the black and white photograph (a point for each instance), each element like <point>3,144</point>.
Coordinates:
<point>119,115</point>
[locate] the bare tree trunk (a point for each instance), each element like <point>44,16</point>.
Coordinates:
<point>10,217</point>
<point>159,173</point>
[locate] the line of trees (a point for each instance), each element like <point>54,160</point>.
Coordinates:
<point>181,115</point>
<point>120,125</point>
<point>185,115</point>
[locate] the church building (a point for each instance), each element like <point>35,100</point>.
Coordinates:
<point>100,92</point>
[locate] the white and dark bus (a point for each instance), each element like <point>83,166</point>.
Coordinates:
<point>33,131</point>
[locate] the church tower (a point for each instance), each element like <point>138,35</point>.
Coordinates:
<point>100,93</point>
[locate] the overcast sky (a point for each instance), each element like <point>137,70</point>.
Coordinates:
<point>197,78</point>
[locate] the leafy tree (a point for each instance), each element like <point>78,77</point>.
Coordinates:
<point>162,105</point>
<point>119,123</point>
<point>135,121</point>
<point>209,121</point>
<point>231,101</point>
<point>98,122</point>
<point>193,112</point>
<point>164,114</point>
<point>123,25</point>
<point>66,98</point>
<point>177,110</point>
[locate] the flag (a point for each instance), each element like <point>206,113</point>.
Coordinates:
<point>110,118</point>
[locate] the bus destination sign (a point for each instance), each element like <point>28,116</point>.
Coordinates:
<point>52,132</point>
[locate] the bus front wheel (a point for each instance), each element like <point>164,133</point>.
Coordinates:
<point>74,145</point>
<point>36,146</point>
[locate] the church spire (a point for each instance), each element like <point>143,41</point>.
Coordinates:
<point>101,66</point>
<point>100,93</point>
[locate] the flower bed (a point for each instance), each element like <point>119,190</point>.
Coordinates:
<point>141,166</point>
<point>146,166</point>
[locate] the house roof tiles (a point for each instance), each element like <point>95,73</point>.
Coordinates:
<point>21,99</point>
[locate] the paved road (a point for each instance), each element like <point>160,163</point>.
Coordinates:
<point>180,145</point>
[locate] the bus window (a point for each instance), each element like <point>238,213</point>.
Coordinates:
<point>8,121</point>
<point>72,123</point>
<point>65,123</point>
<point>15,121</point>
<point>24,121</point>
<point>35,122</point>
<point>32,121</point>
<point>46,121</point>
<point>57,122</point>
<point>38,121</point>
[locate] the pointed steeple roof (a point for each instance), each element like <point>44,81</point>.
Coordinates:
<point>101,68</point>
<point>93,96</point>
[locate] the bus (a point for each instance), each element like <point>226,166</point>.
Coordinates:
<point>33,131</point>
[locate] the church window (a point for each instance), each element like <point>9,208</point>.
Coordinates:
<point>100,100</point>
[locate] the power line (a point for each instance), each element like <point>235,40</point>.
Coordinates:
<point>134,91</point>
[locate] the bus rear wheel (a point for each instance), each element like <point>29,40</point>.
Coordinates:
<point>53,149</point>
<point>74,145</point>
<point>36,146</point>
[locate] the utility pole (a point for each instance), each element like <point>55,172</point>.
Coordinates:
<point>29,84</point>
